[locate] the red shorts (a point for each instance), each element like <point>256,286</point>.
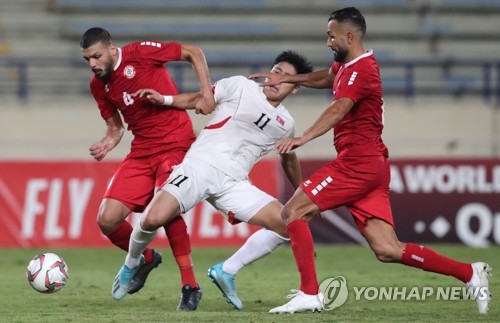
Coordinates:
<point>359,183</point>
<point>135,180</point>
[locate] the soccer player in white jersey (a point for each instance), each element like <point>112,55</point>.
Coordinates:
<point>247,124</point>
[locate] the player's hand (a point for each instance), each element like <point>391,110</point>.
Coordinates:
<point>271,79</point>
<point>205,104</point>
<point>150,94</point>
<point>288,144</point>
<point>98,151</point>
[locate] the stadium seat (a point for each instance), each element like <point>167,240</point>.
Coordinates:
<point>244,36</point>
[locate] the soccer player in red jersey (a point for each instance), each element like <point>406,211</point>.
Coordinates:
<point>162,136</point>
<point>359,178</point>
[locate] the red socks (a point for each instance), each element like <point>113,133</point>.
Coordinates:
<point>429,260</point>
<point>121,238</point>
<point>413,255</point>
<point>178,238</point>
<point>303,251</point>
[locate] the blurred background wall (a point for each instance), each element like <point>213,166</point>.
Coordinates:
<point>439,64</point>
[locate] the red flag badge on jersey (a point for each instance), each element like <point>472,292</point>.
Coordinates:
<point>280,121</point>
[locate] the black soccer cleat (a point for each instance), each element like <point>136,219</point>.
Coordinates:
<point>140,278</point>
<point>190,297</point>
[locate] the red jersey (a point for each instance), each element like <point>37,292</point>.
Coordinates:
<point>359,133</point>
<point>155,128</point>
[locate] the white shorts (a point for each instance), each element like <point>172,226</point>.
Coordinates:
<point>195,180</point>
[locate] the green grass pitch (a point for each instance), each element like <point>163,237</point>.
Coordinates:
<point>261,286</point>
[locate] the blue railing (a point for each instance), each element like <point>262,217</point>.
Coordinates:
<point>451,77</point>
<point>408,78</point>
<point>19,75</point>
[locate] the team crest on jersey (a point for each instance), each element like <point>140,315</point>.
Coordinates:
<point>129,71</point>
<point>106,88</point>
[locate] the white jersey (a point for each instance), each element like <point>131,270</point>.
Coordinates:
<point>245,127</point>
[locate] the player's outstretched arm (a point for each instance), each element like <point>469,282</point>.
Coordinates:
<point>326,121</point>
<point>291,167</point>
<point>321,79</point>
<point>114,134</point>
<point>181,101</point>
<point>193,54</point>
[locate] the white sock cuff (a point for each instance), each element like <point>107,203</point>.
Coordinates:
<point>132,262</point>
<point>144,231</point>
<point>139,240</point>
<point>279,236</point>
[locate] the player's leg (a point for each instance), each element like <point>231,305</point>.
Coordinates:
<point>262,242</point>
<point>333,185</point>
<point>387,248</point>
<point>383,241</point>
<point>296,213</point>
<point>176,231</point>
<point>151,258</point>
<point>111,220</point>
<point>130,190</point>
<point>373,216</point>
<point>258,245</point>
<point>162,209</point>
<point>189,184</point>
<point>180,244</point>
<point>258,208</point>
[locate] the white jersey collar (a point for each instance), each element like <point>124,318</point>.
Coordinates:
<point>119,59</point>
<point>368,53</point>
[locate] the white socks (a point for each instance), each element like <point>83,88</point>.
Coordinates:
<point>258,245</point>
<point>139,240</point>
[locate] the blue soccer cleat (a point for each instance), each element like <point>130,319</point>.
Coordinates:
<point>122,281</point>
<point>225,282</point>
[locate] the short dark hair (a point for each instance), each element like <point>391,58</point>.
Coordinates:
<point>299,62</point>
<point>350,15</point>
<point>95,35</point>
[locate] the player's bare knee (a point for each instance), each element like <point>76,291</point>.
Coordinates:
<point>150,222</point>
<point>277,226</point>
<point>288,215</point>
<point>106,223</point>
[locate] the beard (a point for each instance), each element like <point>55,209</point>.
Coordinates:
<point>340,55</point>
<point>103,73</point>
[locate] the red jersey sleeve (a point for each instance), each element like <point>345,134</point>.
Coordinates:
<point>97,88</point>
<point>157,52</point>
<point>354,84</point>
<point>335,67</point>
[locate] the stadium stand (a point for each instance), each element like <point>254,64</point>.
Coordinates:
<point>425,48</point>
<point>426,43</point>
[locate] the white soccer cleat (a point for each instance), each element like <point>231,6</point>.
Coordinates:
<point>478,285</point>
<point>300,303</point>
